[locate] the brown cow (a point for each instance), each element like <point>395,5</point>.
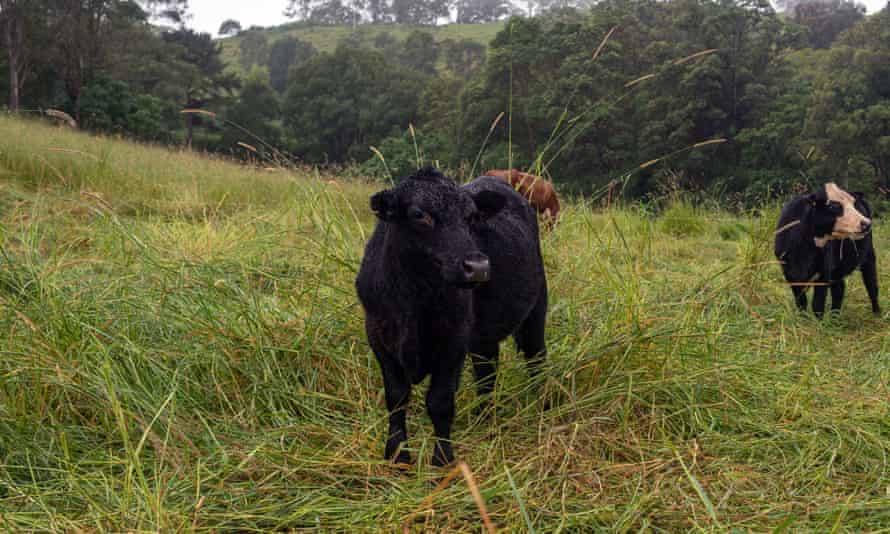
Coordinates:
<point>539,192</point>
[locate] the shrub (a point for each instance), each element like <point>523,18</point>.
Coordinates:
<point>682,220</point>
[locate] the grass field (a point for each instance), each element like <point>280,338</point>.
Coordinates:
<point>325,38</point>
<point>181,349</point>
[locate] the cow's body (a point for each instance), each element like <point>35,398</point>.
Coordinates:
<point>821,239</point>
<point>423,315</point>
<point>539,192</point>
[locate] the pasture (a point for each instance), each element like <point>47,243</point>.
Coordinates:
<point>182,350</point>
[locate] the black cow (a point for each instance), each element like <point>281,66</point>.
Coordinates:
<point>823,237</point>
<point>449,270</point>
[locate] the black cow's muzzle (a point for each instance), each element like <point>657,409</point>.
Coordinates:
<point>476,269</point>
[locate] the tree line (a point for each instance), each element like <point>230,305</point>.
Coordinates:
<point>727,95</point>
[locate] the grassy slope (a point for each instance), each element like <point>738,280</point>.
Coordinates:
<point>325,38</point>
<point>181,349</point>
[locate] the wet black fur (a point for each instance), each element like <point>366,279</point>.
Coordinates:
<point>420,321</point>
<point>803,262</point>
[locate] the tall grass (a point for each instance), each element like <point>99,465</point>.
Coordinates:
<point>181,349</point>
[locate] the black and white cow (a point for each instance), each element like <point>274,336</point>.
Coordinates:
<point>821,238</point>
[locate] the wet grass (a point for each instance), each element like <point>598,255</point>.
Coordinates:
<point>181,349</point>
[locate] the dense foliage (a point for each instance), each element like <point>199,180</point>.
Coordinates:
<point>727,95</point>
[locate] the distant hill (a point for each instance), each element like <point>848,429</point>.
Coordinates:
<point>325,38</point>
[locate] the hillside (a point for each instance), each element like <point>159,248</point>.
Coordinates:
<point>181,350</point>
<point>325,38</point>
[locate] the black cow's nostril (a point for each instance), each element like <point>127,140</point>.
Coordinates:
<point>866,226</point>
<point>477,269</point>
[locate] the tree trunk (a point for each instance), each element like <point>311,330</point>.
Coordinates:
<point>13,39</point>
<point>189,130</point>
<point>13,82</point>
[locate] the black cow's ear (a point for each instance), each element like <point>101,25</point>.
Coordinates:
<point>489,203</point>
<point>817,197</point>
<point>384,205</point>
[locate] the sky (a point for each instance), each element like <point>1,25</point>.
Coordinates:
<point>207,15</point>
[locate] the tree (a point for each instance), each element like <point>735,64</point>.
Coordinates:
<point>425,12</point>
<point>113,106</point>
<point>479,11</point>
<point>332,13</point>
<point>849,118</point>
<point>229,27</point>
<point>284,54</point>
<point>826,19</point>
<point>420,52</point>
<point>300,9</point>
<point>338,104</point>
<point>463,57</point>
<point>256,110</point>
<point>81,34</point>
<point>253,48</point>
<point>380,11</point>
<point>22,23</point>
<point>198,69</point>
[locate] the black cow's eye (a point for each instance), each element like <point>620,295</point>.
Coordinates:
<point>420,217</point>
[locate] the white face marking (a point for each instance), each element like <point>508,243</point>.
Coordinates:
<point>849,224</point>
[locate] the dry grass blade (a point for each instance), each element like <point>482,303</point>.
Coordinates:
<point>652,162</point>
<point>198,112</point>
<point>382,160</point>
<point>603,43</point>
<point>98,198</point>
<point>695,55</point>
<point>52,167</point>
<point>494,125</point>
<point>463,469</point>
<point>792,224</point>
<point>477,496</point>
<point>638,80</point>
<point>708,142</point>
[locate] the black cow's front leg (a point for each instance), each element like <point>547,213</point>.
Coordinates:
<point>837,294</point>
<point>440,406</point>
<point>800,297</point>
<point>820,292</point>
<point>870,278</point>
<point>398,390</point>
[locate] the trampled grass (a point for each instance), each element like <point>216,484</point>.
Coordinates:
<point>181,349</point>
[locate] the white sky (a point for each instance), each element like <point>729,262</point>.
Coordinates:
<point>207,15</point>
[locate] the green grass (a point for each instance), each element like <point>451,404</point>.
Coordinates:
<point>325,38</point>
<point>181,349</point>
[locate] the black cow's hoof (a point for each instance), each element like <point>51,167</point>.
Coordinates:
<point>443,455</point>
<point>403,458</point>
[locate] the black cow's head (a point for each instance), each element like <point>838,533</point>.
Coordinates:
<point>838,214</point>
<point>432,220</point>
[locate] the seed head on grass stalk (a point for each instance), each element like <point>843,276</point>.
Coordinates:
<point>494,124</point>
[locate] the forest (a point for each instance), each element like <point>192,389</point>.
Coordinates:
<point>735,97</point>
